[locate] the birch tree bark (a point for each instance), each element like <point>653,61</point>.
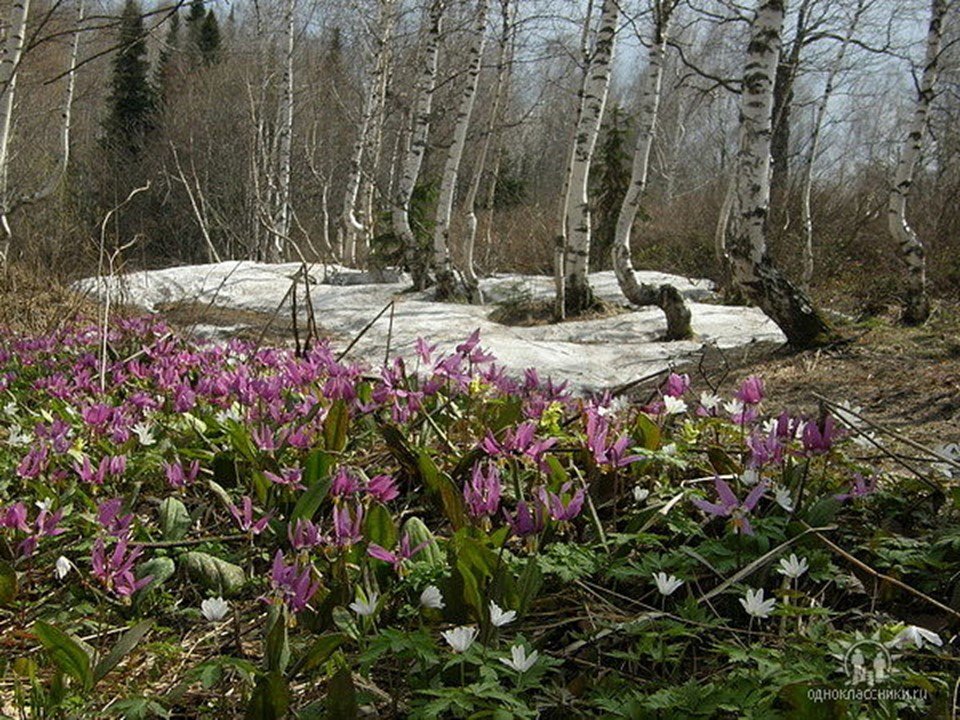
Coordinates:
<point>667,297</point>
<point>350,225</point>
<point>417,147</point>
<point>470,279</point>
<point>752,269</point>
<point>446,281</point>
<point>578,296</point>
<point>820,113</point>
<point>916,304</point>
<point>283,209</point>
<point>11,53</point>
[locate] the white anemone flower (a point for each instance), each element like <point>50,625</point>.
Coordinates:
<point>782,496</point>
<point>519,660</point>
<point>460,638</point>
<point>214,609</point>
<point>431,598</point>
<point>500,617</point>
<point>667,585</point>
<point>916,635</point>
<point>640,494</point>
<point>756,606</point>
<point>793,567</point>
<point>673,405</point>
<point>709,400</point>
<point>365,606</point>
<point>144,433</point>
<point>62,567</point>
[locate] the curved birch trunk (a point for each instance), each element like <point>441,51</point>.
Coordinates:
<point>350,225</point>
<point>806,215</point>
<point>578,296</point>
<point>417,147</point>
<point>11,52</point>
<point>916,304</point>
<point>666,297</point>
<point>446,281</point>
<point>470,279</point>
<point>752,269</point>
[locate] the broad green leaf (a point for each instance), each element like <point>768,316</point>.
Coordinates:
<point>158,568</point>
<point>529,584</point>
<point>342,696</point>
<point>271,698</point>
<point>335,426</point>
<point>277,654</point>
<point>648,432</point>
<point>317,654</point>
<point>213,572</point>
<point>451,501</point>
<point>65,652</point>
<point>317,478</point>
<point>379,528</point>
<point>475,563</point>
<point>175,521</point>
<point>127,642</point>
<point>8,583</point>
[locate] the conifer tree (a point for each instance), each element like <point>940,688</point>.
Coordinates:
<point>208,39</point>
<point>611,188</point>
<point>132,98</point>
<point>168,63</point>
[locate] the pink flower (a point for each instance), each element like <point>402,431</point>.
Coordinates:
<point>383,488</point>
<point>861,488</point>
<point>305,535</point>
<point>730,506</point>
<point>344,484</point>
<point>15,517</point>
<point>347,527</point>
<point>751,390</point>
<point>817,437</point>
<point>179,476</point>
<point>560,510</point>
<point>115,570</point>
<point>245,520</point>
<point>526,522</point>
<point>289,477</point>
<point>676,385</point>
<point>295,586</point>
<point>405,552</point>
<point>110,519</point>
<point>482,493</point>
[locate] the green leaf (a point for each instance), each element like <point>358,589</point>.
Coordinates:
<point>317,478</point>
<point>175,521</point>
<point>8,583</point>
<point>335,426</point>
<point>127,642</point>
<point>379,528</point>
<point>277,654</point>
<point>475,563</point>
<point>317,654</point>
<point>65,652</point>
<point>823,511</point>
<point>159,568</point>
<point>451,501</point>
<point>270,699</point>
<point>647,432</point>
<point>529,584</point>
<point>213,572</point>
<point>342,696</point>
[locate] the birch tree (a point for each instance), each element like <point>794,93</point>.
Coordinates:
<point>446,281</point>
<point>751,266</point>
<point>470,279</point>
<point>578,296</point>
<point>814,148</point>
<point>916,304</point>
<point>11,54</point>
<point>667,297</point>
<point>373,101</point>
<point>283,209</point>
<point>416,146</point>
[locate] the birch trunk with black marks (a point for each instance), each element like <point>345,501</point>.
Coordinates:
<point>806,215</point>
<point>282,219</point>
<point>666,296</point>
<point>752,269</point>
<point>578,297</point>
<point>11,51</point>
<point>916,304</point>
<point>446,280</point>
<point>418,135</point>
<point>470,279</point>
<point>351,226</point>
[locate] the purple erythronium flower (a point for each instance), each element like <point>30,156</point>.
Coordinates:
<point>861,487</point>
<point>764,449</point>
<point>424,350</point>
<point>179,475</point>
<point>15,517</point>
<point>676,385</point>
<point>264,438</point>
<point>344,484</point>
<point>787,427</point>
<point>290,477</point>
<point>518,441</point>
<point>729,506</point>
<point>527,520</point>
<point>382,488</point>
<point>613,455</point>
<point>115,570</point>
<point>482,493</point>
<point>347,526</point>
<point>110,519</point>
<point>404,552</point>
<point>294,585</point>
<point>818,437</point>
<point>305,535</point>
<point>35,462</point>
<point>244,517</point>
<point>558,509</point>
<point>751,390</point>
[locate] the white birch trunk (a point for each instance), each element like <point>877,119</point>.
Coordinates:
<point>446,282</point>
<point>470,279</point>
<point>282,220</point>
<point>417,147</point>
<point>350,225</point>
<point>751,267</point>
<point>820,113</point>
<point>916,304</point>
<point>11,52</point>
<point>667,297</point>
<point>577,294</point>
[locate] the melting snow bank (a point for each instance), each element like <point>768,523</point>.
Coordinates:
<point>591,354</point>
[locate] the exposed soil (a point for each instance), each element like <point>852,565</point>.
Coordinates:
<point>530,312</point>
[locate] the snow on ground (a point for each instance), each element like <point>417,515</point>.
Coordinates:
<point>592,354</point>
